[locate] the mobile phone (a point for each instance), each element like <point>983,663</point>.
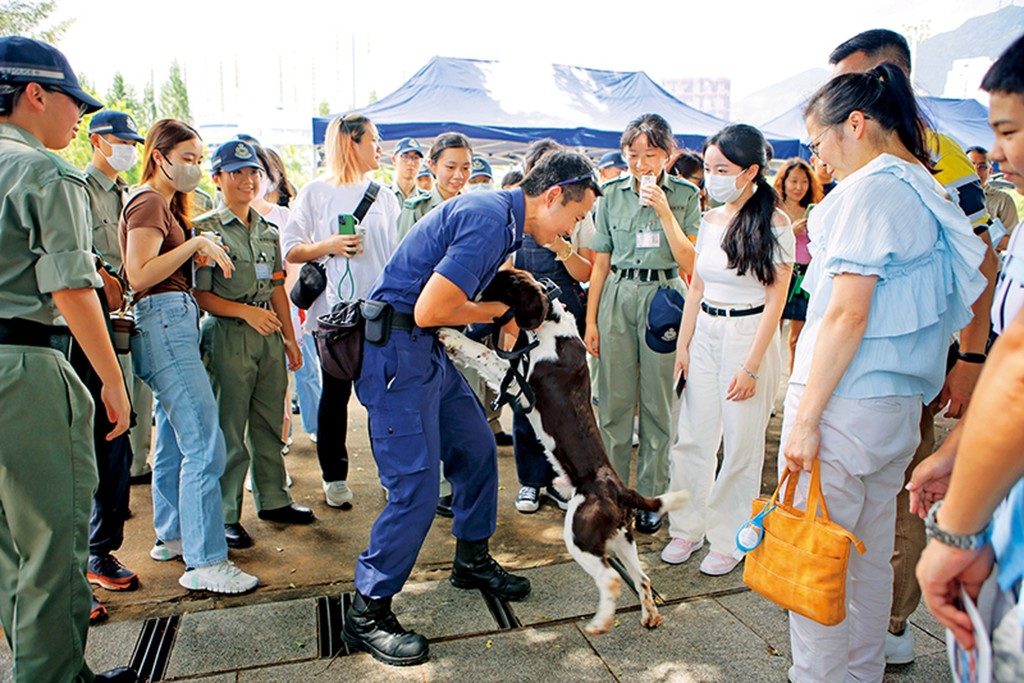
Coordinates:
<point>346,224</point>
<point>680,384</point>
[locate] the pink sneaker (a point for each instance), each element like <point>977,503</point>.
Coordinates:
<point>717,564</point>
<point>679,550</point>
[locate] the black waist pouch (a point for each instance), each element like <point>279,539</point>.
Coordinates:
<point>377,315</point>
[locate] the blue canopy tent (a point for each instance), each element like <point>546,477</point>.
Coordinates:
<point>503,107</point>
<point>966,121</point>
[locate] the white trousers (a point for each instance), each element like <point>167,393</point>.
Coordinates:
<point>718,506</point>
<point>866,445</point>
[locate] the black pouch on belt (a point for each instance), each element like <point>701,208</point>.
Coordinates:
<point>378,321</point>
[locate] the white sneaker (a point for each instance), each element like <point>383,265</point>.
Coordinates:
<point>526,499</point>
<point>899,649</point>
<point>162,551</point>
<point>312,437</point>
<point>223,577</point>
<point>679,550</point>
<point>286,449</point>
<point>791,674</point>
<point>717,564</point>
<point>337,494</point>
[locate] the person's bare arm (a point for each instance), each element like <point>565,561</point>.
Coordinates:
<point>146,266</point>
<point>442,303</point>
<point>598,275</point>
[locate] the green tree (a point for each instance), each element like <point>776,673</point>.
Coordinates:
<point>124,94</point>
<point>31,19</point>
<point>325,108</point>
<point>174,96</point>
<point>148,113</point>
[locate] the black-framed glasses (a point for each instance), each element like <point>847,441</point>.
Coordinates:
<point>699,182</point>
<point>814,144</point>
<point>591,176</point>
<point>83,108</point>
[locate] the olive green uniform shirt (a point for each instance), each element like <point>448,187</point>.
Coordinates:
<point>45,229</point>
<point>106,199</point>
<point>255,251</point>
<point>633,233</point>
<point>402,197</point>
<point>415,208</point>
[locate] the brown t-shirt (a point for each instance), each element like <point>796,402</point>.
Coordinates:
<point>148,209</point>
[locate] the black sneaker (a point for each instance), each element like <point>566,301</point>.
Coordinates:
<point>527,499</point>
<point>105,571</point>
<point>556,497</point>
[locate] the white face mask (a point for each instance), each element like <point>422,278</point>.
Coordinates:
<point>122,157</point>
<point>184,177</point>
<point>479,187</point>
<point>722,188</point>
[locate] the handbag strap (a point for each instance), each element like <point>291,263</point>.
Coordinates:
<point>814,498</point>
<point>369,197</point>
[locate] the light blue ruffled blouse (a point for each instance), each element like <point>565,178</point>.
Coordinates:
<point>890,219</point>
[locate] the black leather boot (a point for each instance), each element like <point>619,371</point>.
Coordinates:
<point>370,625</point>
<point>475,568</point>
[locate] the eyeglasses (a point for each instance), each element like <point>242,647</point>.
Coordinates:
<point>82,106</point>
<point>591,176</point>
<point>699,182</point>
<point>816,143</point>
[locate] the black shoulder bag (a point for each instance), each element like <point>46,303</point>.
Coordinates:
<point>313,277</point>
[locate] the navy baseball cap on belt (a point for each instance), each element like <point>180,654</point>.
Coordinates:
<point>408,145</point>
<point>26,60</point>
<point>424,171</point>
<point>233,155</point>
<point>612,159</point>
<point>116,123</point>
<point>480,168</point>
<point>663,319</point>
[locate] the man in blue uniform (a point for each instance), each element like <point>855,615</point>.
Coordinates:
<point>422,411</point>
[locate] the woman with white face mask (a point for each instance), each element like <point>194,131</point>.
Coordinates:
<point>157,248</point>
<point>727,350</point>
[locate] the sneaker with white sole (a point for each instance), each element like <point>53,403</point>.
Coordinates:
<point>555,496</point>
<point>337,494</point>
<point>679,550</point>
<point>791,674</point>
<point>899,649</point>
<point>527,500</point>
<point>312,437</point>
<point>717,564</point>
<point>163,551</point>
<point>223,577</point>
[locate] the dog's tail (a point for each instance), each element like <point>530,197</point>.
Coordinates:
<point>671,500</point>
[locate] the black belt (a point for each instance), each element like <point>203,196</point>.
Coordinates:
<point>644,274</point>
<point>402,321</point>
<point>730,312</point>
<point>18,332</point>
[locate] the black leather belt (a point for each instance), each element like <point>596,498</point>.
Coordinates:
<point>730,312</point>
<point>644,274</point>
<point>18,332</point>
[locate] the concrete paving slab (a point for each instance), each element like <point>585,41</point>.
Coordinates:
<point>678,581</point>
<point>763,617</point>
<point>6,663</point>
<point>559,653</point>
<point>933,667</point>
<point>110,645</point>
<point>229,639</point>
<point>437,609</point>
<point>562,591</point>
<point>215,678</point>
<point>698,641</point>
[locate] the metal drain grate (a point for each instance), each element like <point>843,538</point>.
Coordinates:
<point>330,616</point>
<point>153,648</point>
<point>501,611</point>
<point>621,569</point>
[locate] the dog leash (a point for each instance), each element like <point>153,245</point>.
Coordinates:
<point>518,359</point>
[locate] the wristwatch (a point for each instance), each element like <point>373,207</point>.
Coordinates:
<point>962,541</point>
<point>977,358</point>
<point>566,255</point>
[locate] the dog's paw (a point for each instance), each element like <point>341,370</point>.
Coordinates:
<point>596,628</point>
<point>651,619</point>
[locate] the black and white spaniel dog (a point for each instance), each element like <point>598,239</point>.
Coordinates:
<point>599,521</point>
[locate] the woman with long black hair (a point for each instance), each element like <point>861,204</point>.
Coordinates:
<point>727,349</point>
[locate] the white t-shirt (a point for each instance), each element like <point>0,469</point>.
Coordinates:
<point>721,284</point>
<point>314,217</point>
<point>1009,298</point>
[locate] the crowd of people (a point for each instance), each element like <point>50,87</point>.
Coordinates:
<point>679,266</point>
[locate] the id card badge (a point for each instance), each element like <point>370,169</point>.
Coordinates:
<point>648,239</point>
<point>264,271</point>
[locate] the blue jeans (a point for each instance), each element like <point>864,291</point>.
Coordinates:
<point>532,464</point>
<point>308,384</point>
<point>189,454</point>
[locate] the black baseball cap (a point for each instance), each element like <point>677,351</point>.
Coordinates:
<point>26,60</point>
<point>116,123</point>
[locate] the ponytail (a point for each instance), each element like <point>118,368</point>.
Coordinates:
<point>884,94</point>
<point>749,241</point>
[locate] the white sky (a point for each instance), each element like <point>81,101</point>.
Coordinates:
<point>754,43</point>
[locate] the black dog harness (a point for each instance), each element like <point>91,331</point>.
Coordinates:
<point>523,401</point>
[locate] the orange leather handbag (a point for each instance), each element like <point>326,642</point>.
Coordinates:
<point>799,562</point>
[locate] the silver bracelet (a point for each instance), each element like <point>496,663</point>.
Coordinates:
<point>744,369</point>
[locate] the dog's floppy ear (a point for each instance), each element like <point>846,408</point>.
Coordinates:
<point>523,293</point>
